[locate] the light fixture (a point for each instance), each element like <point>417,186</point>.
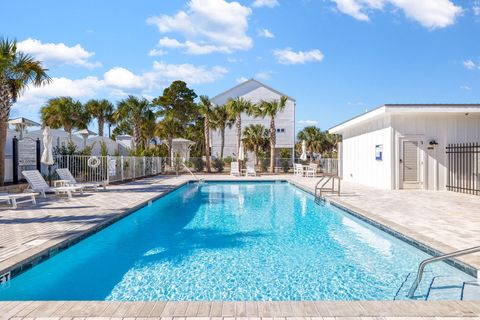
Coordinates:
<point>433,143</point>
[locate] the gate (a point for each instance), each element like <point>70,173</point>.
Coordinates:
<point>463,164</point>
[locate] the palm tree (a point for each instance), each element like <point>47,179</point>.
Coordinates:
<point>221,120</point>
<point>168,129</point>
<point>66,113</point>
<point>135,111</point>
<point>102,110</point>
<point>206,110</point>
<point>235,108</point>
<point>255,138</point>
<point>270,109</point>
<point>315,139</point>
<point>17,72</point>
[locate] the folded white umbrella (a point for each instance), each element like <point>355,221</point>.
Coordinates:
<point>303,156</point>
<point>241,152</point>
<point>47,155</point>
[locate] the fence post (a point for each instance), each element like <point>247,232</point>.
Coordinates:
<point>38,155</point>
<point>134,167</point>
<point>15,159</point>
<point>144,169</point>
<point>121,165</point>
<point>108,170</point>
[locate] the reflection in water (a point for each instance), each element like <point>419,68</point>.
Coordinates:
<point>368,237</point>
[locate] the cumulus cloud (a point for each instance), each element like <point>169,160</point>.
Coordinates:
<point>120,81</point>
<point>431,14</point>
<point>265,33</point>
<point>265,3</point>
<point>241,79</point>
<point>307,122</point>
<point>207,26</point>
<point>466,88</point>
<point>157,52</point>
<point>288,57</point>
<point>56,54</point>
<point>469,64</point>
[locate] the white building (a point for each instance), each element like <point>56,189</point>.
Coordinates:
<point>404,146</point>
<point>255,91</point>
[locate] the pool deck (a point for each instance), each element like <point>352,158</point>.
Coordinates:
<point>443,221</point>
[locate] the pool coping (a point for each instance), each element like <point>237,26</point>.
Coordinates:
<point>201,310</point>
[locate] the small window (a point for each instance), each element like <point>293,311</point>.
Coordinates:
<point>280,130</point>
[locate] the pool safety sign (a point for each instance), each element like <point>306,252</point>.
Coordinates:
<point>379,152</point>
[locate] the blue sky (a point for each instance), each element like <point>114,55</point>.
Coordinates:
<point>336,57</point>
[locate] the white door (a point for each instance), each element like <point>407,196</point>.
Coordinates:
<point>410,164</point>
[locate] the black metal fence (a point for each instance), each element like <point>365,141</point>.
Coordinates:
<point>463,162</point>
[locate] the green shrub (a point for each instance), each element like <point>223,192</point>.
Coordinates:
<point>285,159</point>
<point>217,164</point>
<point>198,164</point>
<point>228,160</point>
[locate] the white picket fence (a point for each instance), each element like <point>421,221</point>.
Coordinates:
<point>110,168</point>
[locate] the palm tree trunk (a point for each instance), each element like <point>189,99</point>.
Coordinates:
<point>273,141</point>
<point>101,123</point>
<point>239,132</point>
<point>207,142</point>
<point>222,142</point>
<point>5,106</point>
<point>136,136</point>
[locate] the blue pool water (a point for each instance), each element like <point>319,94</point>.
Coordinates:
<point>228,241</point>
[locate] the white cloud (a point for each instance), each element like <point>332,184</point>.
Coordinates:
<point>265,33</point>
<point>118,82</point>
<point>287,56</point>
<point>307,122</point>
<point>191,47</point>
<point>241,79</point>
<point>431,14</point>
<point>265,3</point>
<point>476,8</point>
<point>469,64</point>
<point>207,26</point>
<point>157,52</point>
<point>466,88</point>
<point>55,54</point>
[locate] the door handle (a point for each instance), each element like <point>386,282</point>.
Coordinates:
<point>401,160</point>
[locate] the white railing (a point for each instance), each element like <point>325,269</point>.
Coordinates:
<point>109,168</point>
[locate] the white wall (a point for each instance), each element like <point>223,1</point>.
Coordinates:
<point>255,92</point>
<point>444,129</point>
<point>358,154</point>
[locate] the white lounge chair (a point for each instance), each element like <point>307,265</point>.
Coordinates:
<point>11,198</point>
<point>38,184</point>
<point>234,169</point>
<point>311,170</point>
<point>251,170</point>
<point>70,181</point>
<point>298,169</point>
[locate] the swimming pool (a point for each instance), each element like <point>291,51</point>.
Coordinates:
<point>228,241</point>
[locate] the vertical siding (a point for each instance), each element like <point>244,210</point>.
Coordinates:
<point>359,164</point>
<point>444,129</point>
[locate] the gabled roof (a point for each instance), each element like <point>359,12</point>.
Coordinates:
<point>256,81</point>
<point>405,109</point>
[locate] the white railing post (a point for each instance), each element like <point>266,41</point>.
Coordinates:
<point>134,166</point>
<point>144,168</point>
<point>108,170</point>
<point>121,165</point>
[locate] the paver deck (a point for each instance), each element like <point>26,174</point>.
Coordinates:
<point>445,221</point>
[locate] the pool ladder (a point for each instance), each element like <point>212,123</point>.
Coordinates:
<point>425,262</point>
<point>200,181</point>
<point>321,186</point>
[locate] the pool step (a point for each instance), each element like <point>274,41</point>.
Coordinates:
<point>439,288</point>
<point>422,291</point>
<point>471,291</point>
<point>445,288</point>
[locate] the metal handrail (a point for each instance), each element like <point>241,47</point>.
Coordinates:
<point>321,188</point>
<point>190,171</point>
<point>425,262</point>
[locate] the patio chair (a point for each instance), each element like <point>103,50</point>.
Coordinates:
<point>251,170</point>
<point>38,184</point>
<point>70,181</point>
<point>234,169</point>
<point>11,198</point>
<point>311,170</point>
<point>298,169</point>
